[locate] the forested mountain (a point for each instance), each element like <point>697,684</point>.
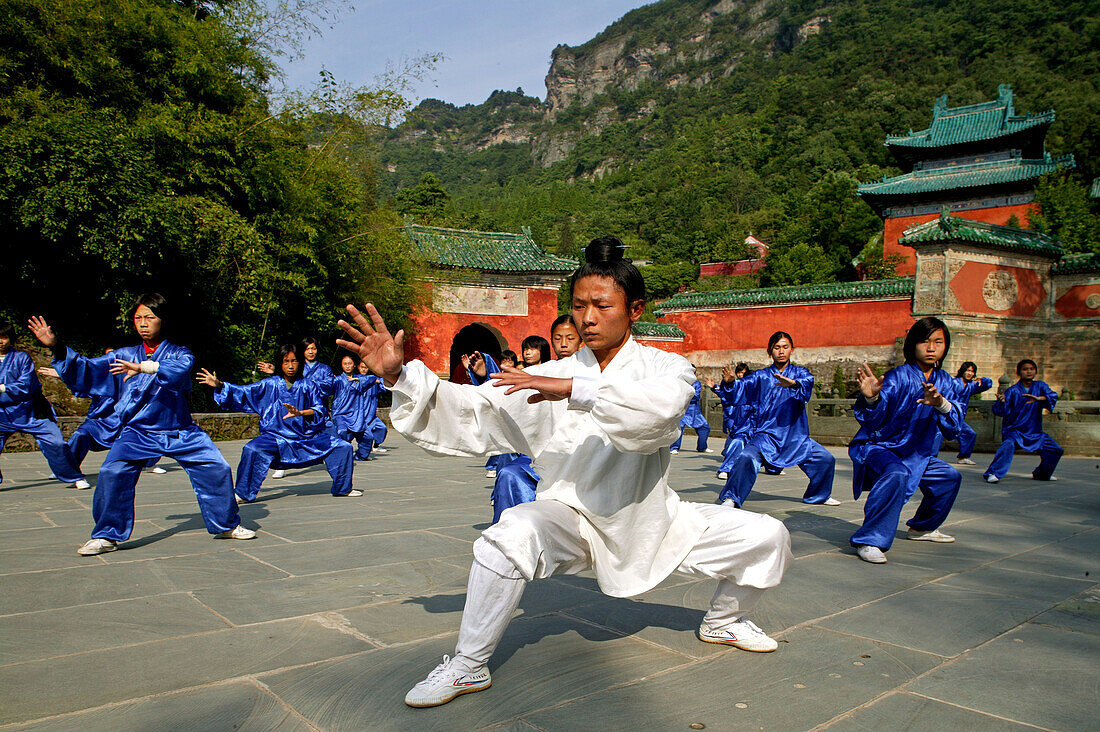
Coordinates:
<point>689,123</point>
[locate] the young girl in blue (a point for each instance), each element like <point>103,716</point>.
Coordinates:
<point>478,367</point>
<point>292,417</point>
<point>1022,407</point>
<point>901,416</point>
<point>150,383</point>
<point>781,432</point>
<point>966,386</point>
<point>352,397</point>
<point>375,426</point>
<point>24,409</point>
<point>694,419</point>
<point>736,414</point>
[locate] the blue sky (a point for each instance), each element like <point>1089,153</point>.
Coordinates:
<point>488,44</point>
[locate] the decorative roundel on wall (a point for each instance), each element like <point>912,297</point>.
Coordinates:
<point>1000,290</point>
<point>1092,302</point>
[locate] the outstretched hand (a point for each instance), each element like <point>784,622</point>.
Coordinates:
<point>709,381</point>
<point>785,382</point>
<point>209,378</point>
<point>42,331</point>
<point>547,388</point>
<point>293,411</point>
<point>932,396</point>
<point>1033,398</point>
<point>126,368</point>
<point>869,384</point>
<point>47,371</point>
<point>383,353</point>
<point>265,368</point>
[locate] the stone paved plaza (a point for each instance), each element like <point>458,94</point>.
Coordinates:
<point>340,605</point>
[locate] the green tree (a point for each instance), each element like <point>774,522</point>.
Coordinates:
<point>802,264</point>
<point>425,201</point>
<point>1066,212</point>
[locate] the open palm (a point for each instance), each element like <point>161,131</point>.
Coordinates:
<point>382,353</point>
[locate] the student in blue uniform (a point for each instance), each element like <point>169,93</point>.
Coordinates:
<point>694,419</point>
<point>150,382</point>
<point>312,368</point>
<point>292,418</point>
<point>348,416</point>
<point>517,480</point>
<point>375,426</point>
<point>1022,407</point>
<point>966,385</point>
<point>478,367</point>
<point>23,408</point>
<point>781,432</point>
<point>736,414</point>
<point>900,417</point>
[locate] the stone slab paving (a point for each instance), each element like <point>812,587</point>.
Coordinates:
<point>340,605</point>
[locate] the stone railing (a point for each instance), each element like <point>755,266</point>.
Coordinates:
<point>1075,425</point>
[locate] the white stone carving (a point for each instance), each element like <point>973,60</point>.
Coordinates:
<point>999,290</point>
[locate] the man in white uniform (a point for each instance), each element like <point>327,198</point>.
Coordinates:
<point>598,425</point>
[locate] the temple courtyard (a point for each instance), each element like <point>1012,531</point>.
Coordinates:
<point>341,605</point>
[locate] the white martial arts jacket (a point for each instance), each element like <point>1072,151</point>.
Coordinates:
<point>604,451</point>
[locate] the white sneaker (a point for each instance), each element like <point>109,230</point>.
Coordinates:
<point>965,461</point>
<point>278,474</point>
<point>380,450</point>
<point>744,635</point>
<point>96,546</point>
<point>157,470</point>
<point>353,493</point>
<point>490,473</point>
<point>992,479</point>
<point>871,554</point>
<point>238,532</point>
<point>709,449</point>
<point>723,476</point>
<point>729,502</point>
<point>830,501</point>
<point>673,452</point>
<point>82,485</point>
<point>934,535</point>
<point>445,683</point>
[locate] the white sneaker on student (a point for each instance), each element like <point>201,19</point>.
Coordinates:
<point>709,449</point>
<point>490,473</point>
<point>871,554</point>
<point>278,474</point>
<point>934,535</point>
<point>82,485</point>
<point>830,501</point>
<point>96,546</point>
<point>353,493</point>
<point>673,452</point>
<point>723,476</point>
<point>991,479</point>
<point>446,682</point>
<point>744,635</point>
<point>381,450</point>
<point>729,502</point>
<point>157,470</point>
<point>964,461</point>
<point>238,532</point>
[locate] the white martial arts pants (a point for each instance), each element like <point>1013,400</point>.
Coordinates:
<point>747,552</point>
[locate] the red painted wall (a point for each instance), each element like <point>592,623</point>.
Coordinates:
<point>1072,303</point>
<point>894,228</point>
<point>670,346</point>
<point>435,331</point>
<point>865,322</point>
<point>740,267</point>
<point>968,283</point>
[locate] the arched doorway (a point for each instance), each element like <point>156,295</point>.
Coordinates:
<point>474,337</point>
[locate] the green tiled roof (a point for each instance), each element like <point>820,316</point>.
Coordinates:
<point>656,330</point>
<point>973,123</point>
<point>972,175</point>
<point>1077,263</point>
<point>954,228</point>
<point>490,251</point>
<point>866,290</point>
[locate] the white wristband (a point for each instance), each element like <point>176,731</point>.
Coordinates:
<point>945,408</point>
<point>149,367</point>
<point>3,388</point>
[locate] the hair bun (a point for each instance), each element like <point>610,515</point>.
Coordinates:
<point>605,250</point>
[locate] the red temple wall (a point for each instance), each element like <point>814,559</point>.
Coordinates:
<point>436,331</point>
<point>1073,303</point>
<point>670,346</point>
<point>859,323</point>
<point>968,283</point>
<point>895,227</point>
